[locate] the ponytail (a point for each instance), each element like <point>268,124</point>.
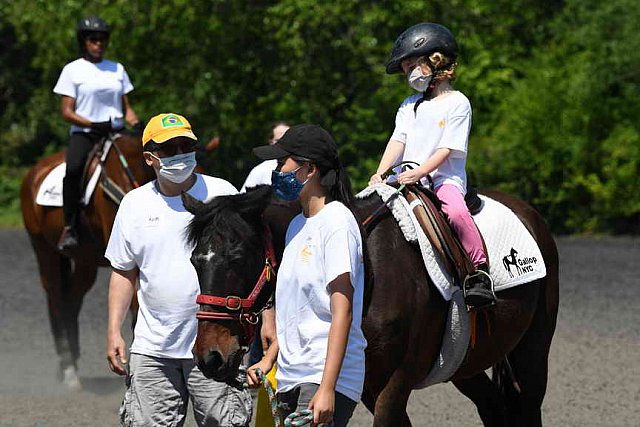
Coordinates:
<point>340,188</point>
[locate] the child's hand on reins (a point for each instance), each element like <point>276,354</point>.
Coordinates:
<point>376,178</point>
<point>411,176</point>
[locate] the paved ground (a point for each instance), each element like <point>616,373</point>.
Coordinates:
<point>594,377</point>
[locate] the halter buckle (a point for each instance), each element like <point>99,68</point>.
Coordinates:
<point>233,303</point>
<point>269,270</point>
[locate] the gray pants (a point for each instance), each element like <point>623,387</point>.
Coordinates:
<point>159,389</point>
<point>298,398</point>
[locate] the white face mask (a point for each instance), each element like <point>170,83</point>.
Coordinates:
<point>177,168</point>
<point>417,80</point>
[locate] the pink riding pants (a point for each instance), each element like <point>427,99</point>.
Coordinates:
<point>454,206</point>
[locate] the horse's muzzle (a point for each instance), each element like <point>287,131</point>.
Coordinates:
<point>213,366</point>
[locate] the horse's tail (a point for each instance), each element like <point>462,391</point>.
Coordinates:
<point>504,379</point>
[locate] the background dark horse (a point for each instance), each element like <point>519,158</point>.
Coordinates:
<point>67,277</point>
<point>405,316</point>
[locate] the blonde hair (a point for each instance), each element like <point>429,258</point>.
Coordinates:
<point>445,68</point>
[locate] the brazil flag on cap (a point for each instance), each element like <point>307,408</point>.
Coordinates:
<point>165,126</point>
<point>170,121</point>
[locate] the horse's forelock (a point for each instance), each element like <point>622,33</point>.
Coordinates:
<point>227,214</point>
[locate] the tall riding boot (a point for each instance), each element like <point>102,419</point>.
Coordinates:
<point>71,206</point>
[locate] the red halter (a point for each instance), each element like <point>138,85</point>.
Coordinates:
<point>239,307</point>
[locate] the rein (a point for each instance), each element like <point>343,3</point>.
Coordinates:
<point>295,419</point>
<point>238,308</point>
<point>125,164</point>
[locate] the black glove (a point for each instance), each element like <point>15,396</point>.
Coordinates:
<point>101,128</point>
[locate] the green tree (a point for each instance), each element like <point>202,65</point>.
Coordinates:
<point>552,84</point>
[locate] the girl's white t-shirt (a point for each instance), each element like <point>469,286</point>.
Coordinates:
<point>318,250</point>
<point>148,233</point>
<point>97,88</point>
<point>444,122</point>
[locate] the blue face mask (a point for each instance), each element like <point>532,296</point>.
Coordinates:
<point>286,185</point>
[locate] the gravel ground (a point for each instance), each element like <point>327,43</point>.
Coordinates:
<point>594,378</point>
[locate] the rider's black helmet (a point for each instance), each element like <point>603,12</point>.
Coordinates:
<point>422,40</point>
<point>91,24</point>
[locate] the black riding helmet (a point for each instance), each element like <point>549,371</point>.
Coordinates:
<point>422,40</point>
<point>88,25</point>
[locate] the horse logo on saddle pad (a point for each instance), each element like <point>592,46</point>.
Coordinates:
<point>522,265</point>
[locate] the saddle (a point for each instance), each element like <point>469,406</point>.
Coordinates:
<point>428,211</point>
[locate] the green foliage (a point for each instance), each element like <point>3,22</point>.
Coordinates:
<point>567,138</point>
<point>9,189</point>
<point>553,85</point>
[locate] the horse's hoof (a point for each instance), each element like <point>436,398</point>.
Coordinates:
<point>69,377</point>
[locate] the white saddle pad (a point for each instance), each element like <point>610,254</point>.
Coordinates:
<point>50,191</point>
<point>514,255</point>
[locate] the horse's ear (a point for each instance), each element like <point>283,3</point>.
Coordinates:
<point>253,201</point>
<point>190,203</point>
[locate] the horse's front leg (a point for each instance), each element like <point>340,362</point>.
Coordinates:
<point>391,404</point>
<point>487,398</point>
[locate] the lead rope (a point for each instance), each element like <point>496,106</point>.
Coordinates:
<point>295,419</point>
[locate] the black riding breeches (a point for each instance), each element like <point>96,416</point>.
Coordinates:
<point>80,145</point>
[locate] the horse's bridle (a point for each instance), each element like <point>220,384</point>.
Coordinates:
<point>242,309</point>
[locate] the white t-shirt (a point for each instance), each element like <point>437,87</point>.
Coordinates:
<point>260,174</point>
<point>148,233</point>
<point>97,88</point>
<point>318,249</point>
<point>444,122</point>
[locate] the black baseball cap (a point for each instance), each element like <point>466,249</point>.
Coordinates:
<point>309,141</point>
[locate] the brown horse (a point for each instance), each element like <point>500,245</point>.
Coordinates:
<point>405,315</point>
<point>67,277</point>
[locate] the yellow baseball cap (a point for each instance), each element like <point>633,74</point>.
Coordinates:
<point>165,126</point>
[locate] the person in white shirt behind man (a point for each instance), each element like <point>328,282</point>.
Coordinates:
<point>261,174</point>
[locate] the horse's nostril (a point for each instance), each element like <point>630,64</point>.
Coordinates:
<point>213,360</point>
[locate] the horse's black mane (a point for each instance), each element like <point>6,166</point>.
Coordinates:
<point>228,215</point>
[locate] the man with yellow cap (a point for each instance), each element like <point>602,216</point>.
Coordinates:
<point>147,246</point>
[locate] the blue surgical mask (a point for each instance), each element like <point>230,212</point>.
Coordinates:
<point>177,168</point>
<point>286,185</point>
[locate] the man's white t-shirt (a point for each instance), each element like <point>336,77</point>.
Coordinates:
<point>444,122</point>
<point>148,233</point>
<point>318,250</point>
<point>260,174</point>
<point>97,88</point>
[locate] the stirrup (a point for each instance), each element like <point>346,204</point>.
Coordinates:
<point>478,290</point>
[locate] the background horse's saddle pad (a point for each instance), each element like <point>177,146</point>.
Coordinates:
<point>50,191</point>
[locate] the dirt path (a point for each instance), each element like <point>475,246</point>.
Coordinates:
<point>594,377</point>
